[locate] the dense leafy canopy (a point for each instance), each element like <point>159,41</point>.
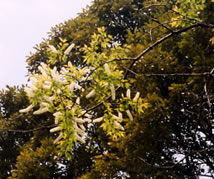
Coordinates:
<point>128,94</point>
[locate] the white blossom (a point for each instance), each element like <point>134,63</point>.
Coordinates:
<point>57,115</point>
<point>129,115</point>
<point>88,115</point>
<point>79,120</point>
<point>84,78</point>
<point>63,71</point>
<point>56,120</point>
<point>82,89</point>
<point>107,69</point>
<point>26,109</point>
<point>77,137</point>
<point>72,85</point>
<point>120,115</point>
<point>136,96</point>
<point>117,124</point>
<point>54,69</point>
<point>98,119</point>
<point>55,129</point>
<point>52,48</point>
<point>85,69</point>
<point>58,138</point>
<point>29,91</point>
<point>58,91</point>
<point>77,86</point>
<point>55,75</point>
<point>49,98</point>
<point>128,93</point>
<point>87,120</point>
<point>78,101</point>
<point>41,110</point>
<point>33,79</point>
<point>70,64</point>
<point>78,130</point>
<point>82,127</point>
<point>116,117</point>
<point>33,88</point>
<point>113,95</point>
<point>26,89</point>
<point>91,94</point>
<point>43,72</point>
<point>46,86</point>
<point>67,51</point>
<point>44,104</point>
<point>30,94</point>
<point>47,82</point>
<point>83,111</point>
<point>44,66</point>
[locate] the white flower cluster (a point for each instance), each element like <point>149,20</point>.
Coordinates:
<point>107,70</point>
<point>29,108</point>
<point>44,105</point>
<point>51,80</point>
<point>128,95</point>
<point>47,80</point>
<point>70,47</point>
<point>66,52</point>
<point>119,118</point>
<point>56,75</point>
<point>52,48</point>
<point>78,124</point>
<point>79,131</point>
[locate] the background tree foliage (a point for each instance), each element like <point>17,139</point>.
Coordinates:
<point>173,138</point>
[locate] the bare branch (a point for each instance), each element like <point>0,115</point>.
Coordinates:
<point>160,24</point>
<point>168,74</point>
<point>29,130</point>
<point>164,39</point>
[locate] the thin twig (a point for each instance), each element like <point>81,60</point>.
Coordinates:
<point>29,130</point>
<point>169,8</point>
<point>161,24</point>
<point>168,74</point>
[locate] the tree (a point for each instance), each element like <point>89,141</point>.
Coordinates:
<point>140,136</point>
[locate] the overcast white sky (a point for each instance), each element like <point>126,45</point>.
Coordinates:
<point>23,25</point>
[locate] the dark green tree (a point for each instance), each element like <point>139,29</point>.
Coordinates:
<point>173,138</point>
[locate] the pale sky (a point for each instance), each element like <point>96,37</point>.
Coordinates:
<point>23,25</point>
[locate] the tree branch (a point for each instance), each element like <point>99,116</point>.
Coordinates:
<point>164,39</point>
<point>168,74</point>
<point>29,130</point>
